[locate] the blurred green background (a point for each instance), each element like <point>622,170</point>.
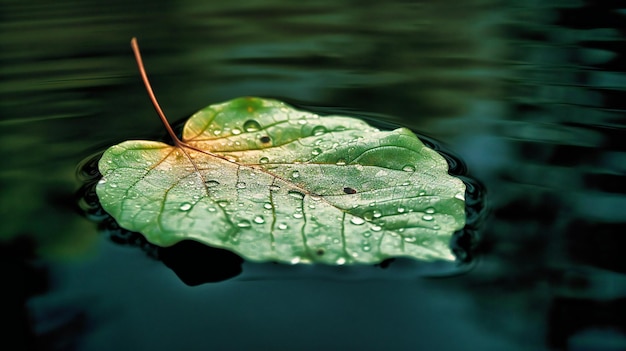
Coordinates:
<point>530,95</point>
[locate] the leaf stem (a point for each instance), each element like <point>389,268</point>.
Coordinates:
<point>155,103</point>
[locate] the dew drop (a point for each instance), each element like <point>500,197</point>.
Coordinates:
<point>295,260</point>
<point>251,126</point>
<point>302,121</point>
<point>430,210</point>
<point>264,160</point>
<point>217,132</point>
<point>241,185</point>
<point>401,209</point>
<point>298,215</point>
<point>236,131</point>
<point>222,203</point>
<point>341,162</point>
<point>316,151</point>
<point>244,224</point>
<point>436,227</point>
<point>316,197</point>
<point>186,206</point>
<point>282,226</point>
<point>295,174</point>
<point>408,168</point>
<point>267,206</point>
<point>211,209</point>
<point>319,130</point>
<point>376,214</point>
<point>406,184</point>
<point>259,220</point>
<point>274,187</point>
<point>211,183</point>
<point>357,220</point>
<point>296,194</point>
<point>376,228</point>
<point>427,217</point>
<point>335,241</point>
<point>265,139</point>
<point>341,261</point>
<point>349,191</point>
<point>366,248</point>
<point>113,185</point>
<point>102,181</point>
<point>410,239</point>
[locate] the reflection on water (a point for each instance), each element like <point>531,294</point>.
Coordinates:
<point>530,95</point>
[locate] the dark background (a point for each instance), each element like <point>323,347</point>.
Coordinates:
<point>531,96</point>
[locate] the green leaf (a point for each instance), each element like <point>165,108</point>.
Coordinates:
<point>272,183</point>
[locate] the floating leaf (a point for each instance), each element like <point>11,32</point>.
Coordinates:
<point>272,183</point>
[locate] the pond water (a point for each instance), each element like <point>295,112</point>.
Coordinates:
<point>530,96</point>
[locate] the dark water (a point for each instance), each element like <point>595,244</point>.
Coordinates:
<point>531,96</point>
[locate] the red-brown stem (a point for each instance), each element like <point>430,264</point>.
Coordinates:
<point>155,103</point>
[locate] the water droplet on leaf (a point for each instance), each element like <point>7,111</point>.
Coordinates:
<point>296,194</point>
<point>244,224</point>
<point>319,130</point>
<point>295,174</point>
<point>427,217</point>
<point>430,210</point>
<point>264,160</point>
<point>401,209</point>
<point>241,185</point>
<point>357,220</point>
<point>282,226</point>
<point>267,206</point>
<point>236,131</point>
<point>185,206</point>
<point>211,183</point>
<point>316,151</point>
<point>408,168</point>
<point>274,187</point>
<point>259,220</point>
<point>251,126</point>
